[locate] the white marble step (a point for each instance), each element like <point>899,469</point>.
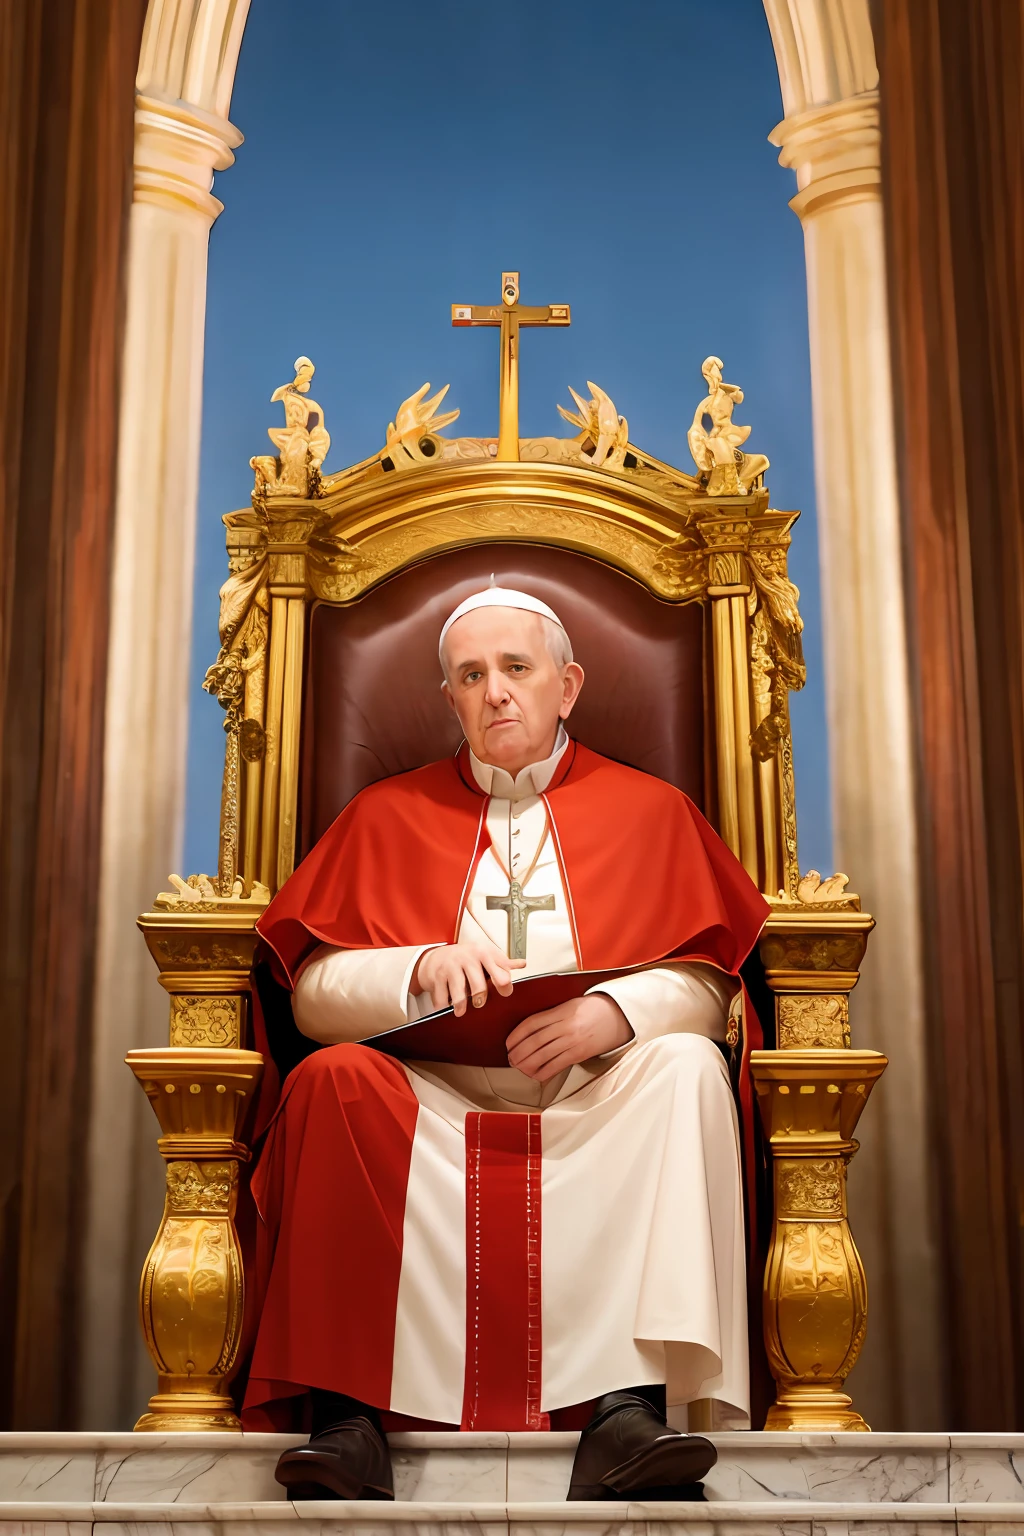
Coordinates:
<point>777,1517</point>
<point>498,1469</point>
<point>138,1470</point>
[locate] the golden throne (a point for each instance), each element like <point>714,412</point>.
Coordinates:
<point>657,573</point>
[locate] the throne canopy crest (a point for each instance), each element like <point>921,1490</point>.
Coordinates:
<point>657,570</point>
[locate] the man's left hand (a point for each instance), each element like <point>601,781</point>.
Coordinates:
<point>546,1043</point>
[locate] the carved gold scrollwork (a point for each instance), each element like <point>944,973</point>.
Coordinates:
<point>777,654</point>
<point>808,1020</point>
<point>188,954</point>
<point>681,568</point>
<point>206,1020</point>
<point>206,1187</point>
<point>252,741</point>
<point>812,1185</point>
<point>812,952</point>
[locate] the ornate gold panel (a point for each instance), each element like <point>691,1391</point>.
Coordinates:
<point>207,1020</point>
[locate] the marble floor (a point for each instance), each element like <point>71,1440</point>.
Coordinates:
<point>508,1485</point>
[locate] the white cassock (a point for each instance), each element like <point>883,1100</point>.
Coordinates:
<point>643,1276</point>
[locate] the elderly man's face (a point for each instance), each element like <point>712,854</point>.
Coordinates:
<point>506,686</point>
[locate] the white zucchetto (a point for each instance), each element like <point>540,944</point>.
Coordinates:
<point>499,597</point>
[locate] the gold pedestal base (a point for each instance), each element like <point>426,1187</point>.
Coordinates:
<point>189,1413</point>
<point>815,1293</point>
<point>191,1295</point>
<point>821,1409</point>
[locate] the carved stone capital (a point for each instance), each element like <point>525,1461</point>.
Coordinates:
<point>835,151</point>
<point>177,149</point>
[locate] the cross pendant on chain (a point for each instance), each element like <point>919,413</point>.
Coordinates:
<point>518,908</point>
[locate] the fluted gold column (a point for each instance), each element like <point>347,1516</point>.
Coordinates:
<point>811,1092</point>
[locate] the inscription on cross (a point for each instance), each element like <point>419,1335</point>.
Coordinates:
<point>509,315</point>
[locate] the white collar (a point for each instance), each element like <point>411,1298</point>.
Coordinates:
<point>531,780</point>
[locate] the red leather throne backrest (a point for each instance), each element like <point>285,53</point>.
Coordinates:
<point>373,704</point>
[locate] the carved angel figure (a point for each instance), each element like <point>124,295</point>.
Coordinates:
<point>302,442</point>
<point>604,434</point>
<point>716,449</point>
<point>412,438</point>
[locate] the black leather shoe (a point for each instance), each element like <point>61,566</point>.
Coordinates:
<point>349,1461</point>
<point>627,1450</point>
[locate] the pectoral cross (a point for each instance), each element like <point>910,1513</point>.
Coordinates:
<point>518,908</point>
<point>509,315</point>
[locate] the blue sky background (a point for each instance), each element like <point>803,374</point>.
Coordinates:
<point>398,157</point>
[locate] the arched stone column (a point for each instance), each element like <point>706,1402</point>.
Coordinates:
<point>830,137</point>
<point>182,135</point>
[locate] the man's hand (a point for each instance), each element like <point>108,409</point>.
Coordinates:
<point>458,973</point>
<point>546,1043</point>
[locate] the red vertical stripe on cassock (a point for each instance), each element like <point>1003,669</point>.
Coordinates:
<point>503,1273</point>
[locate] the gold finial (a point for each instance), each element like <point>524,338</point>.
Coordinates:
<point>716,449</point>
<point>414,435</point>
<point>302,442</point>
<point>604,434</point>
<point>509,315</point>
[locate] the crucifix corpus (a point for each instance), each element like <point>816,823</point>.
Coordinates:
<point>509,315</point>
<point>518,908</point>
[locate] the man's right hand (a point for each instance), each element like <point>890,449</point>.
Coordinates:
<point>458,974</point>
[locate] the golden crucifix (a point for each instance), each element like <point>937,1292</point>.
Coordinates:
<point>509,315</point>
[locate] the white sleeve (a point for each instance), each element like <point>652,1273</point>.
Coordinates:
<point>682,998</point>
<point>349,994</point>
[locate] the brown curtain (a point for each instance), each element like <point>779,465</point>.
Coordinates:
<point>67,72</point>
<point>951,75</point>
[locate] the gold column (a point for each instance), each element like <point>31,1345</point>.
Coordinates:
<point>737,812</point>
<point>200,1086</point>
<point>289,801</point>
<point>272,758</point>
<point>811,1092</point>
<point>725,724</point>
<point>744,759</point>
<point>290,526</point>
<point>726,530</point>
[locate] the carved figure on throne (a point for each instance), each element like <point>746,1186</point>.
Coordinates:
<point>596,1166</point>
<point>302,442</point>
<point>717,449</point>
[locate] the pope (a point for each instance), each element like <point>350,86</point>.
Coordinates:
<point>556,1240</point>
